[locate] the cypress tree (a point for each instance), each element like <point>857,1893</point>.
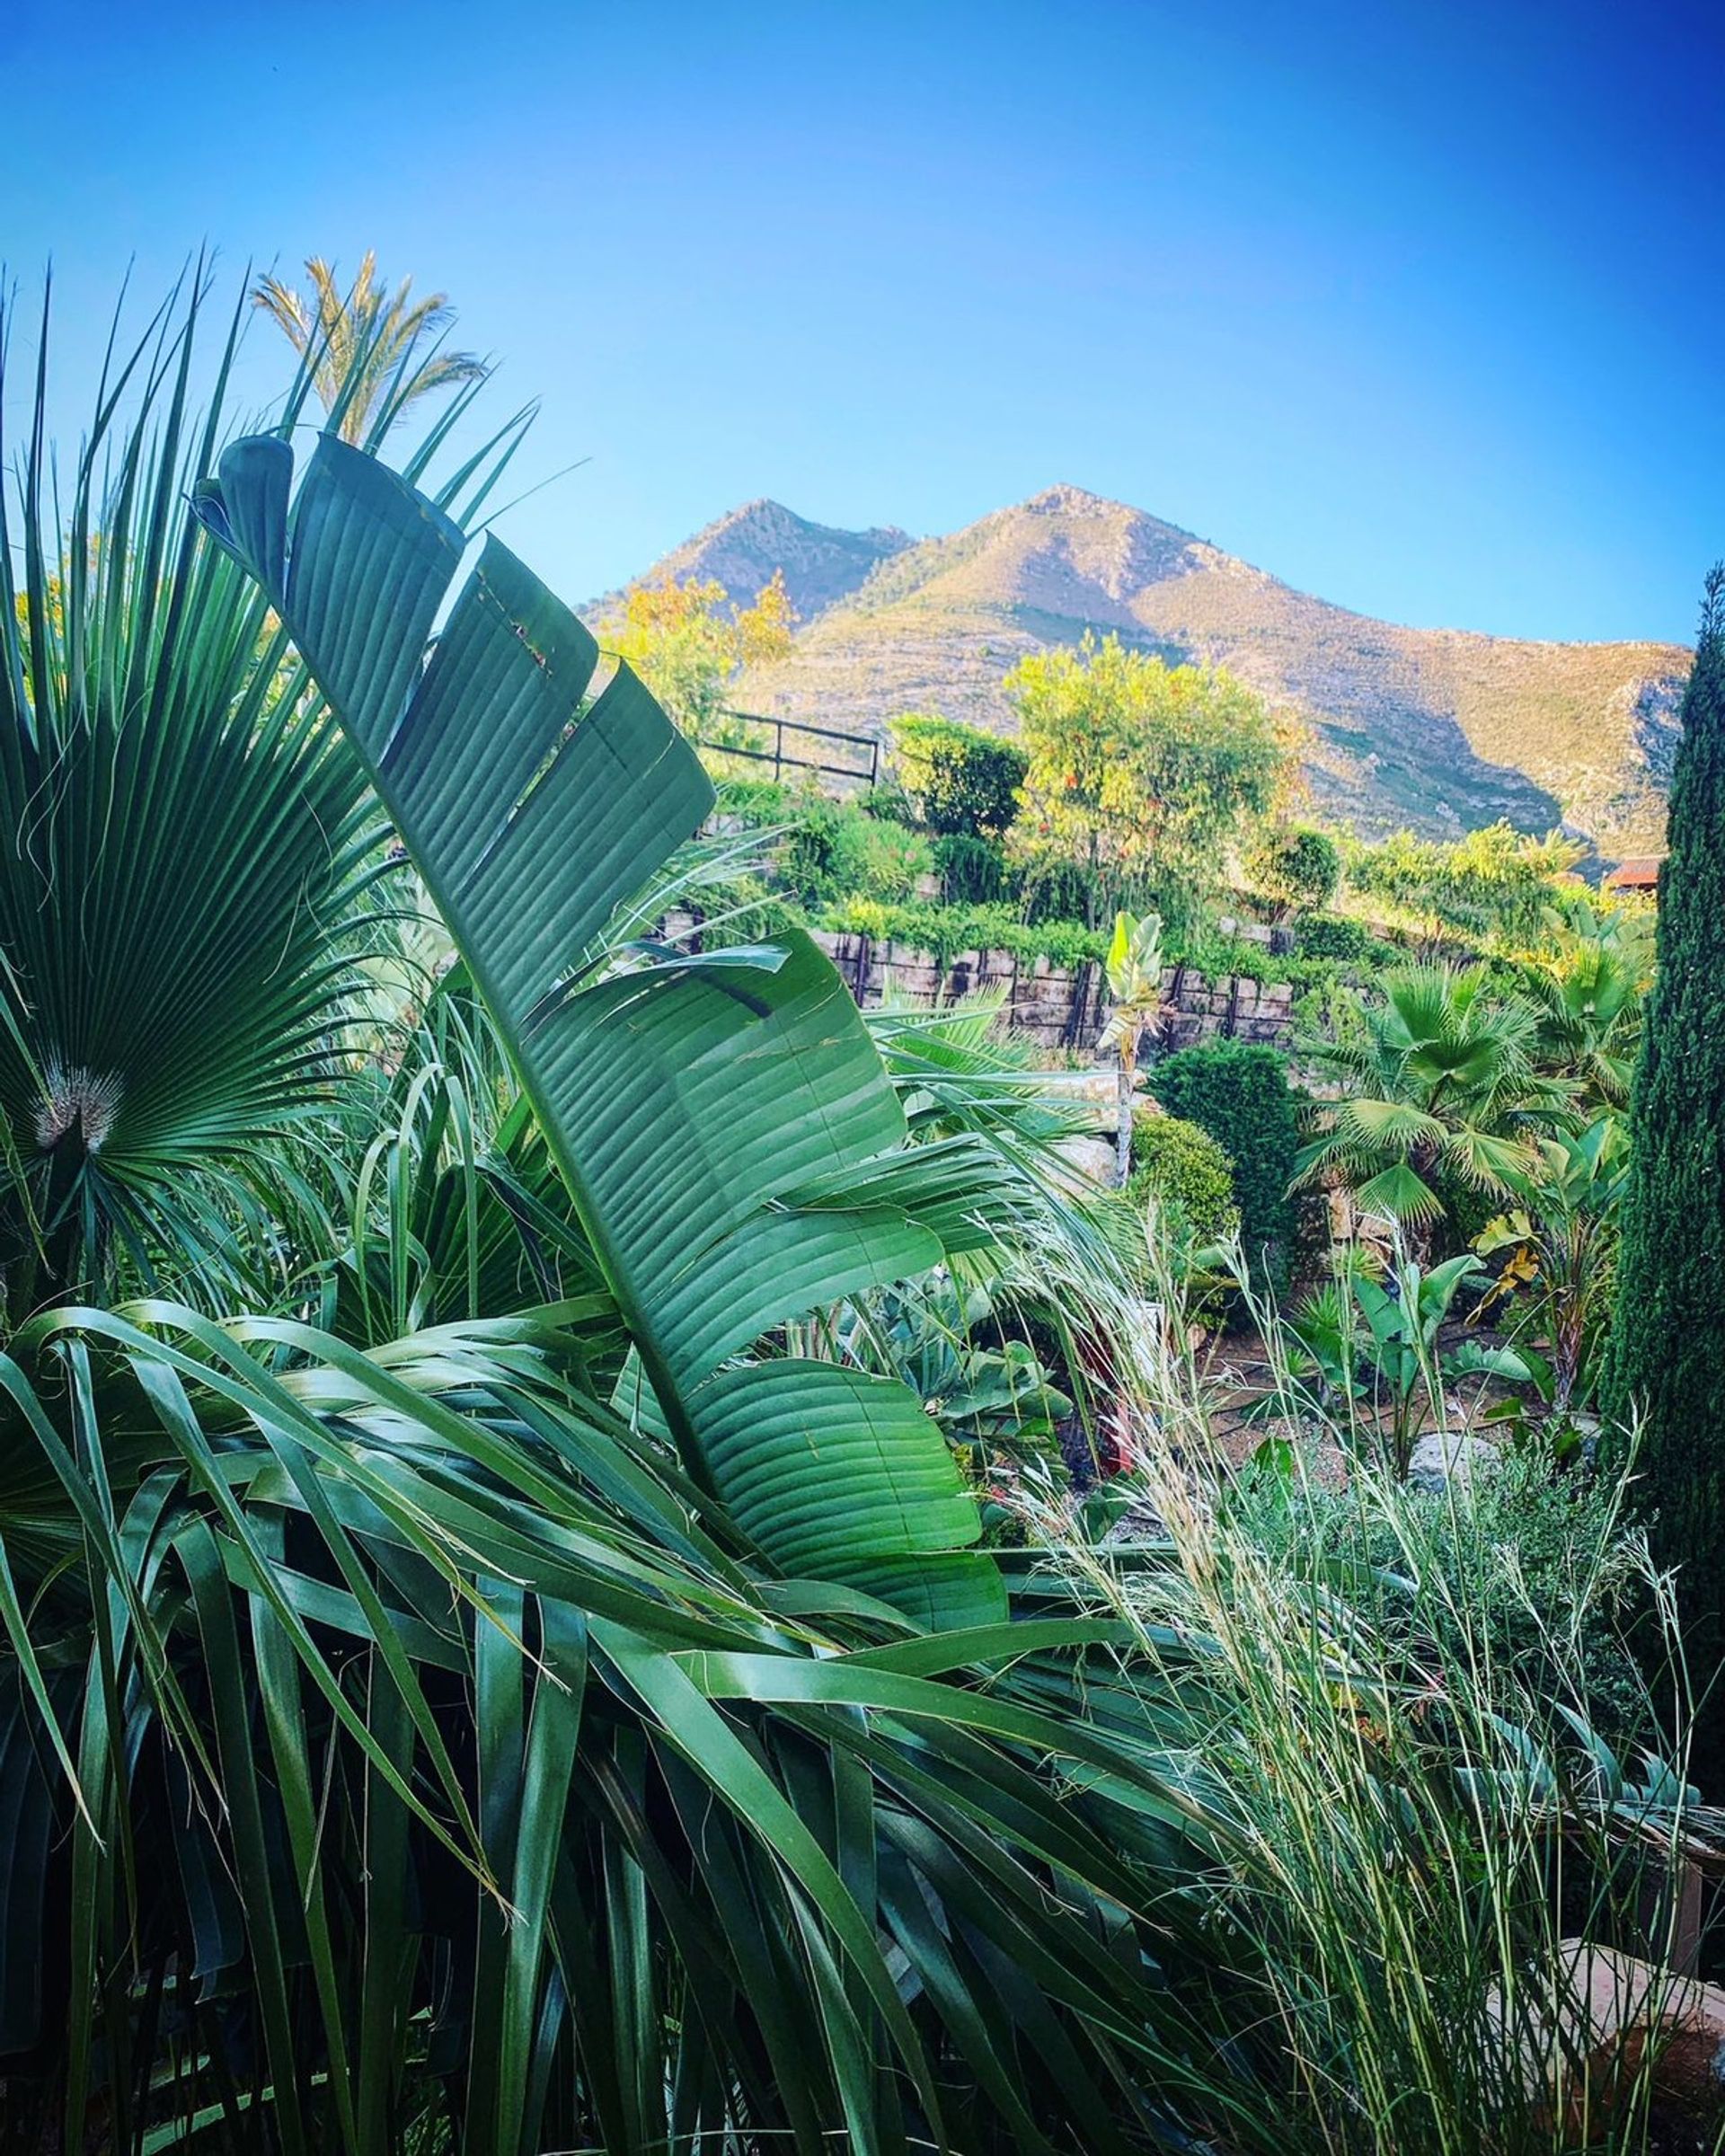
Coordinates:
<point>1668,1359</point>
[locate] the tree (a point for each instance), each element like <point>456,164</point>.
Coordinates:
<point>1441,1087</point>
<point>1134,972</point>
<point>373,353</point>
<point>1495,884</point>
<point>964,781</point>
<point>1297,869</point>
<point>1139,767</point>
<point>1667,1362</point>
<point>688,643</point>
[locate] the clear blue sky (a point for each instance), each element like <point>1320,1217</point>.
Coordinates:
<point>1421,308</point>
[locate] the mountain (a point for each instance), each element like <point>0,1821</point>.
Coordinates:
<point>1436,729</point>
<point>742,551</point>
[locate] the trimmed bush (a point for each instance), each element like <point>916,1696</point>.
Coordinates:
<point>1183,1169</point>
<point>962,779</point>
<point>1296,870</point>
<point>1239,1092</point>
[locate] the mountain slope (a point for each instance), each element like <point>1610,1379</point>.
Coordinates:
<point>1439,729</point>
<point>821,565</point>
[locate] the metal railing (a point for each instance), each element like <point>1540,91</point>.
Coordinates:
<point>782,756</point>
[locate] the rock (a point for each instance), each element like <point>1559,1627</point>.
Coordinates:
<point>1093,1160</point>
<point>1097,1091</point>
<point>1445,1456</point>
<point>1611,2010</point>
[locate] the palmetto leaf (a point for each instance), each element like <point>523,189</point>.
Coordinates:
<point>684,1100</point>
<point>185,842</point>
<point>1399,1194</point>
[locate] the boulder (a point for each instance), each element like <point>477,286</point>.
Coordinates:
<point>1445,1456</point>
<point>1090,1160</point>
<point>1613,2010</point>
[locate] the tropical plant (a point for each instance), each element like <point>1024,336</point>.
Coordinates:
<point>1556,1251</point>
<point>1133,972</point>
<point>1373,1348</point>
<point>372,354</point>
<point>735,1155</point>
<point>1668,1359</point>
<point>1441,1088</point>
<point>1588,986</point>
<point>176,806</point>
<point>463,1737</point>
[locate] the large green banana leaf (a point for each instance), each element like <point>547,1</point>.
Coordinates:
<point>684,1099</point>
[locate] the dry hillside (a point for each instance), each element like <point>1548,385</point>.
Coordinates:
<point>1436,729</point>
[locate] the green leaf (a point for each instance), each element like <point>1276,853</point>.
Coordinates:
<point>683,1101</point>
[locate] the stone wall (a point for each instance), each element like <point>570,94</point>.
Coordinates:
<point>1061,1007</point>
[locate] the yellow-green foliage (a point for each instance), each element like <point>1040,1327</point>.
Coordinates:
<point>1186,1174</point>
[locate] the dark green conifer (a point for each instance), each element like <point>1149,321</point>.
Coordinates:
<point>1667,1358</point>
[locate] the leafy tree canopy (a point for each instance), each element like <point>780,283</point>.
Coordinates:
<point>1135,764</point>
<point>688,642</point>
<point>964,781</point>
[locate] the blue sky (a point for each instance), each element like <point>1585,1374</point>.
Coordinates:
<point>1421,308</point>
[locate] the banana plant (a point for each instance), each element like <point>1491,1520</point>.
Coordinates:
<point>1133,969</point>
<point>722,1121</point>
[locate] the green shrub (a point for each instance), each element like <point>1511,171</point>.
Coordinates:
<point>757,802</point>
<point>973,872</point>
<point>1297,869</point>
<point>1183,1169</point>
<point>1533,1574</point>
<point>1335,936</point>
<point>945,930</point>
<point>837,850</point>
<point>962,779</point>
<point>1239,1092</point>
<point>1055,889</point>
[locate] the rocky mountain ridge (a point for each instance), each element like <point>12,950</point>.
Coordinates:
<point>1436,729</point>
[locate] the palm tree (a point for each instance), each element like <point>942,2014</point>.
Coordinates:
<point>373,354</point>
<point>1588,991</point>
<point>1440,1083</point>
